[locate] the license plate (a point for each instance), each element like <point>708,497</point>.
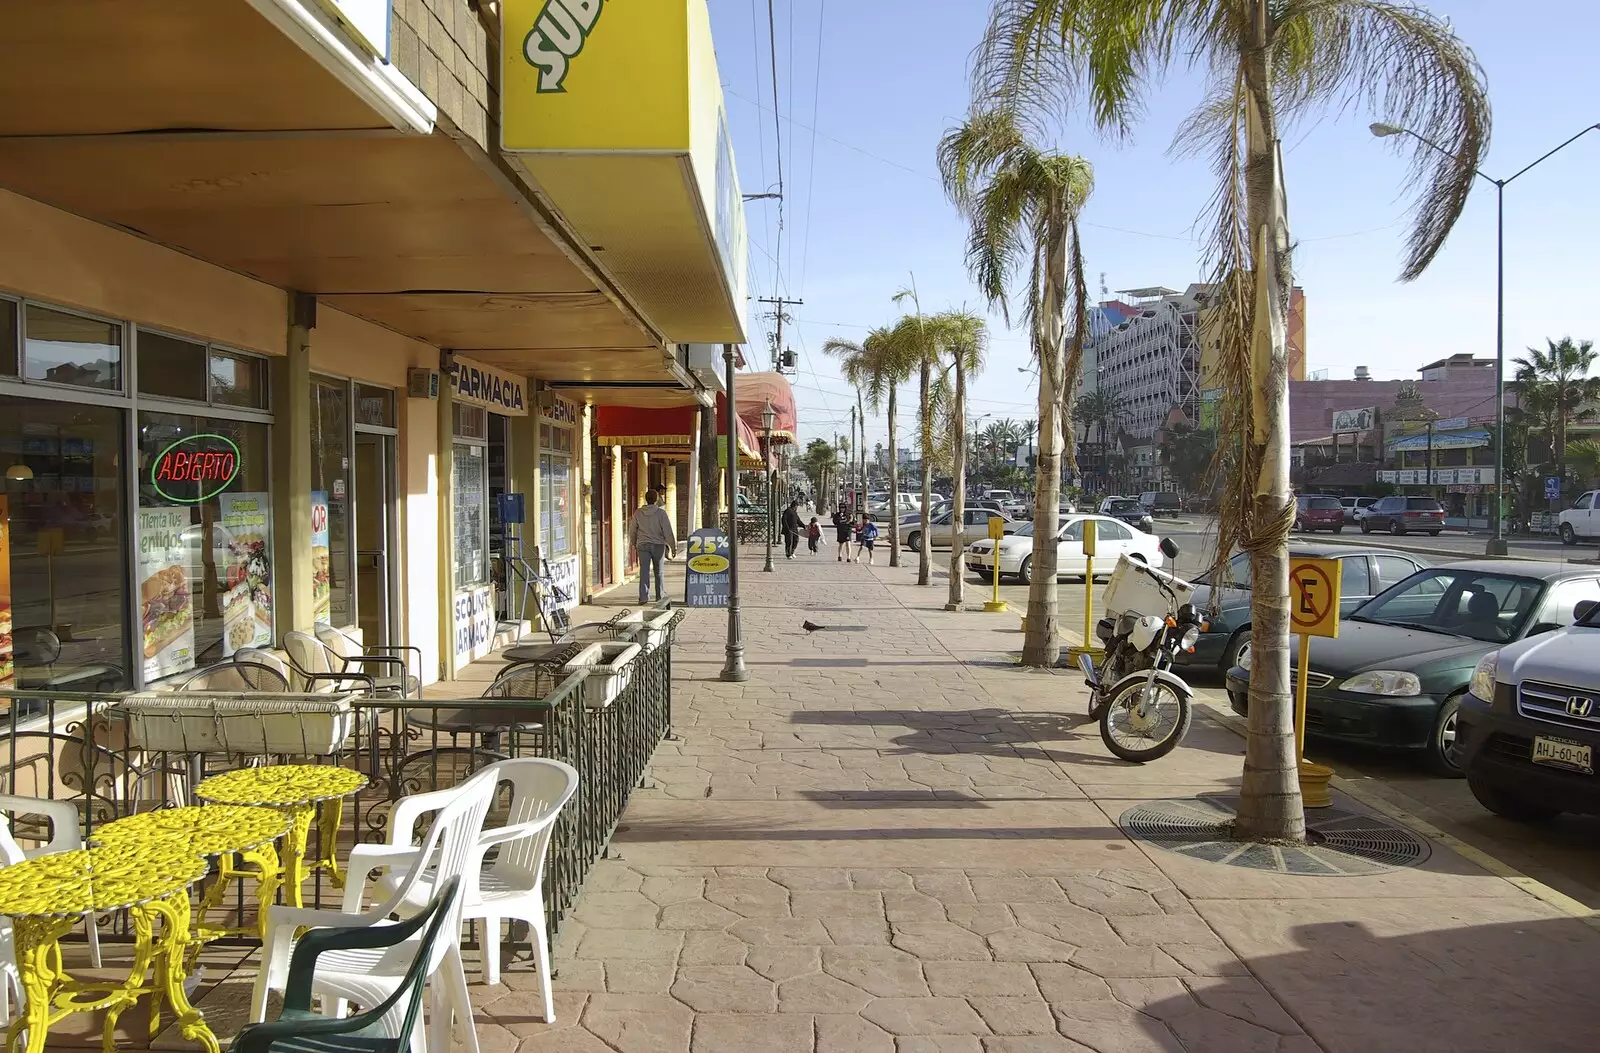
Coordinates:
<point>1559,753</point>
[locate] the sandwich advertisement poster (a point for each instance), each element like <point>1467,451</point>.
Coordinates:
<point>8,675</point>
<point>321,588</point>
<point>241,547</point>
<point>164,575</point>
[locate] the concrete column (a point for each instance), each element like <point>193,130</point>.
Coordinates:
<point>583,488</point>
<point>524,478</point>
<point>694,475</point>
<point>670,500</point>
<point>619,514</point>
<point>291,440</point>
<point>447,529</point>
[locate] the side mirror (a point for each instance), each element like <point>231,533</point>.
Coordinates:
<point>1581,611</point>
<point>1169,548</point>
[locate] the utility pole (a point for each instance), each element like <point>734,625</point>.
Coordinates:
<point>778,304</point>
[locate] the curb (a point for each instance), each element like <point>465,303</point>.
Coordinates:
<point>1421,827</point>
<point>1366,541</point>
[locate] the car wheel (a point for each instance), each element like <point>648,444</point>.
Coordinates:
<point>1569,536</point>
<point>1338,530</point>
<point>914,541</point>
<point>1507,803</point>
<point>1025,572</point>
<point>1433,533</point>
<point>1238,647</point>
<point>1440,758</point>
<point>1396,528</point>
<point>1366,527</point>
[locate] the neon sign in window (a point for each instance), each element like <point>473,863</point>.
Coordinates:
<point>206,463</point>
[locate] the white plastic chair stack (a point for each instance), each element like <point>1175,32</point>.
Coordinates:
<point>369,976</point>
<point>508,888</point>
<point>64,837</point>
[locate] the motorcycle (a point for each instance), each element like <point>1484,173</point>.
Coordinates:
<point>1143,707</point>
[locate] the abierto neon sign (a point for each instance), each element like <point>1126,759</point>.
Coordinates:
<point>208,463</point>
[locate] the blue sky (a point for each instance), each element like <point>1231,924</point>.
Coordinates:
<point>865,88</point>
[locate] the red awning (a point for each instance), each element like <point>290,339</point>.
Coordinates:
<point>668,426</point>
<point>755,390</point>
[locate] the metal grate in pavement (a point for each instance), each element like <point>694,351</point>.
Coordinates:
<point>1342,843</point>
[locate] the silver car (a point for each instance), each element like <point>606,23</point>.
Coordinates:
<point>975,525</point>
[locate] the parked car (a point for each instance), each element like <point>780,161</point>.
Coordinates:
<point>1113,538</point>
<point>1582,520</point>
<point>1130,511</point>
<point>1530,723</point>
<point>1401,515</point>
<point>1161,502</point>
<point>1363,574</point>
<point>1355,508</point>
<point>1313,512</point>
<point>1401,665</point>
<point>975,524</point>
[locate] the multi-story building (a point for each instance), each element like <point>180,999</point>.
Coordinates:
<point>1146,355</point>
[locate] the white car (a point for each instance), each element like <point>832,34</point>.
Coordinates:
<point>1113,538</point>
<point>1582,520</point>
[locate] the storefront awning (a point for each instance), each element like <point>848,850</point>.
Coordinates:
<point>671,426</point>
<point>754,391</point>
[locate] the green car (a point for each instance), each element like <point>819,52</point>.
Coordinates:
<point>1396,674</point>
<point>1364,574</point>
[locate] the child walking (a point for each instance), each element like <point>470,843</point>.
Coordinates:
<point>865,537</point>
<point>813,535</point>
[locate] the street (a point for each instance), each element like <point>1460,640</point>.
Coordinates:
<point>1560,853</point>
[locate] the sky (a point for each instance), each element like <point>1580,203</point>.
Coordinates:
<point>866,87</point>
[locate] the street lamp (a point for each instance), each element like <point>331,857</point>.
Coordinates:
<point>1497,540</point>
<point>733,669</point>
<point>766,422</point>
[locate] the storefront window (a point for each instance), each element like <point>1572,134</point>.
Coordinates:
<point>64,348</point>
<point>374,406</point>
<point>171,367</point>
<point>469,496</point>
<point>330,501</point>
<point>9,333</point>
<point>237,380</point>
<point>63,570</point>
<point>555,492</point>
<point>205,544</point>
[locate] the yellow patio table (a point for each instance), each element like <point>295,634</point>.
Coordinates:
<point>47,896</point>
<point>226,831</point>
<point>296,790</point>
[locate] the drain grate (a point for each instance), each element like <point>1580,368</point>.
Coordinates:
<point>1342,843</point>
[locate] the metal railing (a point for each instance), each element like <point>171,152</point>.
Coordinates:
<point>78,747</point>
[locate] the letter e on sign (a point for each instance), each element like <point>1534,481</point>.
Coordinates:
<point>1314,596</point>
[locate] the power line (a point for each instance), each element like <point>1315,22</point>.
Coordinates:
<point>811,177</point>
<point>777,132</point>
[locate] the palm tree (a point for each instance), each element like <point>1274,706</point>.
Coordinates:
<point>876,366</point>
<point>1271,63</point>
<point>1556,386</point>
<point>1022,205</point>
<point>959,339</point>
<point>819,462</point>
<point>918,351</point>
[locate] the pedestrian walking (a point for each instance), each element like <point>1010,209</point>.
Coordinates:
<point>866,535</point>
<point>841,528</point>
<point>652,536</point>
<point>813,535</point>
<point>792,526</point>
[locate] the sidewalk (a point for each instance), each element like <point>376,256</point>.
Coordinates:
<point>894,841</point>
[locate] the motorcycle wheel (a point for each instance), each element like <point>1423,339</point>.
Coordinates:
<point>1097,705</point>
<point>1170,719</point>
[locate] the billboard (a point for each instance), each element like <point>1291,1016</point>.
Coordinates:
<point>1348,420</point>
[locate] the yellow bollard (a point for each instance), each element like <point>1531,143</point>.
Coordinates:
<point>997,530</point>
<point>1087,647</point>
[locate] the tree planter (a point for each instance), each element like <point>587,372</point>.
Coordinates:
<point>656,626</point>
<point>610,667</point>
<point>239,722</point>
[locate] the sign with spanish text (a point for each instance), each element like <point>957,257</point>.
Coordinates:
<point>196,468</point>
<point>473,624</point>
<point>241,545</point>
<point>321,583</point>
<point>561,413</point>
<point>563,574</point>
<point>1349,420</point>
<point>706,578</point>
<point>168,551</point>
<point>499,392</point>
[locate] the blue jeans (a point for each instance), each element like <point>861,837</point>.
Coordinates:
<point>651,556</point>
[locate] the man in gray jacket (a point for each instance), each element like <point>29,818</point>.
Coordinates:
<point>651,534</point>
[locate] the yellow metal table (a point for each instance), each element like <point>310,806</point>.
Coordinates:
<point>226,831</point>
<point>46,897</point>
<point>296,790</point>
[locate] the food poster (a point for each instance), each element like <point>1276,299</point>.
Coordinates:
<point>321,587</point>
<point>8,674</point>
<point>241,546</point>
<point>168,552</point>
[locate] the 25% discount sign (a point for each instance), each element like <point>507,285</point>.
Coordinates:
<point>1313,611</point>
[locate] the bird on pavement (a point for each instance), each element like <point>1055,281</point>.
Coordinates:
<point>809,627</point>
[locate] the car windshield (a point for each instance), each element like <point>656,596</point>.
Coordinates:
<point>1025,530</point>
<point>1324,503</point>
<point>1235,574</point>
<point>1124,505</point>
<point>1423,504</point>
<point>1476,605</point>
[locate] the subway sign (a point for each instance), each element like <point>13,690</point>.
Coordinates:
<point>195,468</point>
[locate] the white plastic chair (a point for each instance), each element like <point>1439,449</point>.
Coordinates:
<point>369,977</point>
<point>65,836</point>
<point>509,887</point>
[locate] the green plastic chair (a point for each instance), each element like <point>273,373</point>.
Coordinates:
<point>299,1030</point>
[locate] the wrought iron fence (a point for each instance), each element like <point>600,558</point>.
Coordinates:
<point>78,747</point>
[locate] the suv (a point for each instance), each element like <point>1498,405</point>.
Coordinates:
<point>1161,502</point>
<point>1313,512</point>
<point>1130,511</point>
<point>1529,727</point>
<point>1355,508</point>
<point>1580,520</point>
<point>1401,515</point>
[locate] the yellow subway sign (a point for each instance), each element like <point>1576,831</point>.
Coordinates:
<point>597,75</point>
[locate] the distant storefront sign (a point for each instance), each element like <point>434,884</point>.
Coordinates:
<point>706,574</point>
<point>1441,477</point>
<point>560,413</point>
<point>196,468</point>
<point>1349,420</point>
<point>1452,424</point>
<point>473,624</point>
<point>499,392</point>
<point>1460,440</point>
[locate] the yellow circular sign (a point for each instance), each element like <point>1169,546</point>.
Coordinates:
<point>708,564</point>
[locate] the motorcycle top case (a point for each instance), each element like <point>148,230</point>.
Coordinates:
<point>1133,589</point>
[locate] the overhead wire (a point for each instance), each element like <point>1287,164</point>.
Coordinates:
<point>811,176</point>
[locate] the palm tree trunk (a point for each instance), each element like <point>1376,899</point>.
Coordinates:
<point>1270,806</point>
<point>958,508</point>
<point>924,546</point>
<point>861,451</point>
<point>1041,646</point>
<point>894,485</point>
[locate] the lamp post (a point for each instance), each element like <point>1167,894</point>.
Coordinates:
<point>733,669</point>
<point>766,469</point>
<point>1497,540</point>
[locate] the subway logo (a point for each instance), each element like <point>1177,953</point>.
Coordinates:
<point>558,34</point>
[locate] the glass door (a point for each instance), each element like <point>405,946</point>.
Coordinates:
<point>374,534</point>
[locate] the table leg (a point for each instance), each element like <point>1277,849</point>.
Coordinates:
<point>38,954</point>
<point>328,840</point>
<point>170,973</point>
<point>265,859</point>
<point>294,851</point>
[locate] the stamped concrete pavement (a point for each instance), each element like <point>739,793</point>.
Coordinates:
<point>892,840</point>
